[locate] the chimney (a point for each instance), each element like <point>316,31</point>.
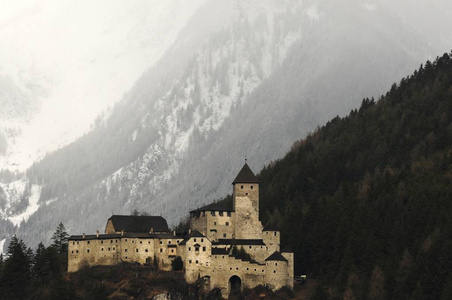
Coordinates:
<point>189,231</point>
<point>174,232</point>
<point>122,232</point>
<point>97,233</point>
<point>152,230</point>
<point>83,235</point>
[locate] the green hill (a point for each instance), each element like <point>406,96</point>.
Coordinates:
<point>365,201</point>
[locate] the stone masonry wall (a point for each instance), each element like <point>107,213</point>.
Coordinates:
<point>246,206</point>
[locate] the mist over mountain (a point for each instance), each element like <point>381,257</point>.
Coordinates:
<point>242,78</point>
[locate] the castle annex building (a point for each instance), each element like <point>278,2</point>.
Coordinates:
<point>227,247</point>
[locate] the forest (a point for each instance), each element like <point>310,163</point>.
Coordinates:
<point>365,200</point>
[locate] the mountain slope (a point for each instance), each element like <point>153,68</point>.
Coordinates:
<point>243,78</point>
<point>364,201</point>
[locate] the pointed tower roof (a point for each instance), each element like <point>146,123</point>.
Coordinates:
<point>246,176</point>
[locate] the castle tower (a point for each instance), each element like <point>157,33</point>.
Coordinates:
<point>246,205</point>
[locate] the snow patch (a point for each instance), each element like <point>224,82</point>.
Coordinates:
<point>33,206</point>
<point>312,12</point>
<point>2,244</point>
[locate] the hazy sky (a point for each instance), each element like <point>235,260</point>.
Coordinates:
<point>75,58</point>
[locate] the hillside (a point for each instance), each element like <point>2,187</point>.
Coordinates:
<point>242,78</point>
<point>365,200</point>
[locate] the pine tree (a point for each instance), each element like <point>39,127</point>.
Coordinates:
<point>60,239</point>
<point>16,271</point>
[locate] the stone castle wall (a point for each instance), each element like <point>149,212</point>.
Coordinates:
<point>214,225</point>
<point>246,207</point>
<point>100,251</point>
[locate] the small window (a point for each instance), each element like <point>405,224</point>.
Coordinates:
<point>189,261</point>
<point>108,248</point>
<point>212,213</point>
<point>101,242</point>
<point>169,242</point>
<point>224,235</point>
<point>276,264</point>
<point>161,250</point>
<point>274,233</point>
<point>246,194</point>
<point>161,242</point>
<point>196,262</point>
<point>250,247</point>
<point>194,240</point>
<point>196,248</point>
<point>76,251</point>
<point>133,242</point>
<point>189,248</point>
<point>88,242</point>
<point>136,250</point>
<point>202,240</point>
<point>72,251</point>
<point>214,223</point>
<point>145,250</point>
<point>77,242</point>
<point>73,243</point>
<point>116,241</point>
<point>111,241</point>
<point>204,249</point>
<point>274,271</point>
<point>247,269</point>
<point>241,187</point>
<point>141,242</point>
<point>126,240</point>
<point>113,248</point>
<point>221,213</point>
<point>87,250</point>
<point>251,187</point>
<point>227,223</point>
<point>149,242</point>
<point>229,213</point>
<point>237,268</point>
<point>125,257</point>
<point>125,250</point>
<point>172,250</point>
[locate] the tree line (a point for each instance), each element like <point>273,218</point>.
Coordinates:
<point>25,274</point>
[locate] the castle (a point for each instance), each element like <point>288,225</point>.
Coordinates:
<point>226,247</point>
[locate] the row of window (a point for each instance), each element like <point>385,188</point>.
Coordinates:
<point>241,187</point>
<point>220,213</point>
<point>196,248</point>
<point>116,241</point>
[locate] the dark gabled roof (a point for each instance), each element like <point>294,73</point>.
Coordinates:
<point>139,224</point>
<point>246,176</point>
<point>183,243</point>
<point>270,226</point>
<point>220,251</point>
<point>125,235</point>
<point>94,237</point>
<point>244,242</point>
<point>213,207</point>
<point>276,256</point>
<point>196,233</point>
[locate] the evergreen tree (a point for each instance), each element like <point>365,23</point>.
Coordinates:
<point>60,239</point>
<point>16,271</point>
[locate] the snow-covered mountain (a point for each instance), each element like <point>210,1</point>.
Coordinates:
<point>63,62</point>
<point>242,78</point>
